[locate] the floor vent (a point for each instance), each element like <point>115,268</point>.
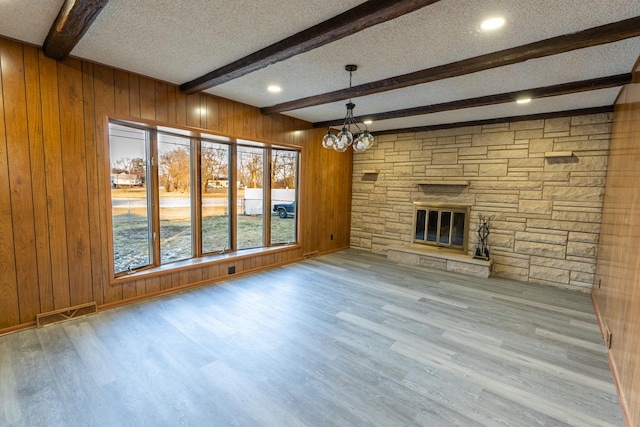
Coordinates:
<point>311,254</point>
<point>64,314</point>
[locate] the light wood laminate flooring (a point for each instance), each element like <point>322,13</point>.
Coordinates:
<point>347,339</point>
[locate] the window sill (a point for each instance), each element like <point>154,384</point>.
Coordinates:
<point>204,261</point>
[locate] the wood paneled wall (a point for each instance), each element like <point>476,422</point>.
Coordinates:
<point>617,284</point>
<point>53,165</point>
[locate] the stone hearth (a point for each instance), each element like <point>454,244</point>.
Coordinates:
<point>452,261</point>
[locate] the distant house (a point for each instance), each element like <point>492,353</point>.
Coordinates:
<point>119,180</point>
<point>218,182</point>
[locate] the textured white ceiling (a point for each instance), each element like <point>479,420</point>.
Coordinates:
<point>599,61</point>
<point>28,20</point>
<point>177,41</point>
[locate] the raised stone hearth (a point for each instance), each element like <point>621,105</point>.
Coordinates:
<point>426,256</point>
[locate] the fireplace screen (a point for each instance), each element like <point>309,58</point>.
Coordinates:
<point>441,226</point>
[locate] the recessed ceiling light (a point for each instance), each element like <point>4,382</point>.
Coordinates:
<point>492,23</point>
<point>274,89</point>
<point>523,100</point>
<point>368,122</point>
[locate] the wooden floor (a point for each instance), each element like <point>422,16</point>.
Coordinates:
<point>346,339</point>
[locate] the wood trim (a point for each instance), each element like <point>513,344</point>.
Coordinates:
<point>17,328</point>
<point>512,119</point>
<point>612,365</point>
<point>598,315</point>
<point>621,397</point>
<point>196,194</point>
<point>73,21</point>
<point>502,98</point>
<point>363,16</point>
<point>232,175</point>
<point>596,36</point>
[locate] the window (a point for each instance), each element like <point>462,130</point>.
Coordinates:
<point>215,191</point>
<point>284,178</point>
<point>250,197</point>
<point>172,195</point>
<point>441,226</point>
<point>132,242</point>
<point>174,185</point>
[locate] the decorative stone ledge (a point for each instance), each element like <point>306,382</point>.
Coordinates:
<point>440,259</point>
<point>425,185</point>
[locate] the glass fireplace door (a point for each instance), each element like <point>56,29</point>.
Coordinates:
<point>441,226</point>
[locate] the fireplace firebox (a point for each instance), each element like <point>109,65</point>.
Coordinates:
<point>445,226</point>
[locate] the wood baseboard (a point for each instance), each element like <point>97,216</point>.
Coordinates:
<point>612,365</point>
<point>17,328</point>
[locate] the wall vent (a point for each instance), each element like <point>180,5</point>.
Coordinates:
<point>64,314</point>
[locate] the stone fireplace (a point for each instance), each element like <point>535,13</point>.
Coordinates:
<point>542,181</point>
<point>440,240</point>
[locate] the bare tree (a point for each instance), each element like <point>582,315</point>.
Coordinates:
<point>135,166</point>
<point>174,170</point>
<point>215,164</point>
<point>250,169</point>
<point>283,169</point>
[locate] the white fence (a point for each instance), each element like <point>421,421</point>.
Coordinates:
<point>253,201</point>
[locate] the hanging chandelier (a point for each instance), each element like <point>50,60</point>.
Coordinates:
<point>360,139</point>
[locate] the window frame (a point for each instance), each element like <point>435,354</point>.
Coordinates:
<point>196,136</point>
<point>296,194</point>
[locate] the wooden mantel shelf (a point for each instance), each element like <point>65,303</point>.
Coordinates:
<point>443,184</point>
<point>556,154</point>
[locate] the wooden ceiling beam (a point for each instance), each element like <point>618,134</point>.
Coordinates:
<point>366,15</point>
<point>502,98</point>
<point>603,34</point>
<point>511,119</point>
<point>73,21</point>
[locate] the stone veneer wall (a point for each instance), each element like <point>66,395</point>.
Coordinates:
<point>547,210</point>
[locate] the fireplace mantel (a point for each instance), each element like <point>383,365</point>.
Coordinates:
<point>424,185</point>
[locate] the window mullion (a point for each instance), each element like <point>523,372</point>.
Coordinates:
<point>233,198</point>
<point>154,196</point>
<point>266,196</point>
<point>196,198</point>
